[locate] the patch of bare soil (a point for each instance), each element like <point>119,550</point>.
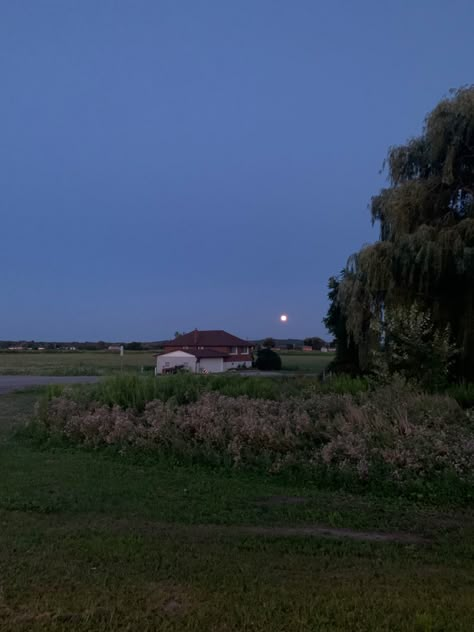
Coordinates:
<point>330,532</point>
<point>205,531</point>
<point>271,501</point>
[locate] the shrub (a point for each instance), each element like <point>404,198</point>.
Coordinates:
<point>268,360</point>
<point>416,348</point>
<point>393,435</point>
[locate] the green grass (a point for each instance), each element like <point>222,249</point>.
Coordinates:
<point>74,363</point>
<point>305,361</point>
<point>92,541</point>
<point>134,391</point>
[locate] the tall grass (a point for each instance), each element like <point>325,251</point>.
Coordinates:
<point>463,394</point>
<point>132,391</point>
<point>135,391</point>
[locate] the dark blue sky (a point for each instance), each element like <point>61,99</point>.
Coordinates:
<point>176,164</point>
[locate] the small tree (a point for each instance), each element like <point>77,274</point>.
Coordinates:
<point>268,360</point>
<point>269,342</point>
<point>415,348</point>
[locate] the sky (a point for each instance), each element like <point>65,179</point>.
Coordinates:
<point>172,164</point>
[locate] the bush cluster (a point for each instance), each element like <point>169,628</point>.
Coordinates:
<point>391,432</point>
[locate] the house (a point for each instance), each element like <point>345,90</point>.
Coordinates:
<point>204,351</point>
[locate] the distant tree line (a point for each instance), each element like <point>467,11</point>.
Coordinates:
<point>314,342</point>
<point>100,345</point>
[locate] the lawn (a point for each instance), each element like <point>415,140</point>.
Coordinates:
<point>305,361</point>
<point>95,541</point>
<point>73,363</point>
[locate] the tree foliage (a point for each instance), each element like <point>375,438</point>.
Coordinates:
<point>315,342</point>
<point>133,346</point>
<point>346,360</point>
<point>415,348</point>
<point>426,249</point>
<point>269,342</point>
<point>268,360</point>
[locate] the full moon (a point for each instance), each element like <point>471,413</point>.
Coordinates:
<point>283,318</point>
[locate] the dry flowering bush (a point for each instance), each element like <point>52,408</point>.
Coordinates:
<point>407,433</point>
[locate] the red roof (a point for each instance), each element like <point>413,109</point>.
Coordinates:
<point>200,353</point>
<point>207,338</point>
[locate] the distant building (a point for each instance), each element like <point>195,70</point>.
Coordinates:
<point>210,351</point>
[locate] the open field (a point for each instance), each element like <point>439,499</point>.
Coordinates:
<point>107,363</point>
<point>73,363</point>
<point>12,383</point>
<point>305,361</point>
<point>95,541</point>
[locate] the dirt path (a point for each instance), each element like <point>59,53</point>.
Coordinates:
<point>206,531</point>
<point>330,532</point>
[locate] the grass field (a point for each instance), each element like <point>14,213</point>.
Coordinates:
<point>95,541</point>
<point>305,361</point>
<point>73,363</point>
<point>106,363</point>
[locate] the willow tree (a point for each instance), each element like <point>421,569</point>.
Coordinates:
<point>426,249</point>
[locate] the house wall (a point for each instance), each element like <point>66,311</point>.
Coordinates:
<point>235,364</point>
<point>211,365</point>
<point>176,358</point>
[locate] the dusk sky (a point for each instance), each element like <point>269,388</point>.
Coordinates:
<point>166,165</point>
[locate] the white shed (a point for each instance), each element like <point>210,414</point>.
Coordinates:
<point>199,361</point>
<point>169,361</point>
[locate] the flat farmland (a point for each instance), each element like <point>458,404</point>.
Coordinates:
<point>305,361</point>
<point>107,363</point>
<point>74,362</point>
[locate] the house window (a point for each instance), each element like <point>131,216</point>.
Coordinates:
<point>245,349</point>
<point>234,350</point>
